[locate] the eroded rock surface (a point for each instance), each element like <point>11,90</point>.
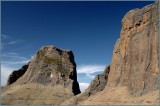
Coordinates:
<point>134,67</point>
<point>50,68</point>
<point>135,57</point>
<point>98,84</point>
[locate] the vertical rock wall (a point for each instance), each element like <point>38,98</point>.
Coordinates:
<point>135,56</point>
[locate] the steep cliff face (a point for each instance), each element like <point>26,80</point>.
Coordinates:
<point>51,68</point>
<point>135,57</point>
<point>134,68</point>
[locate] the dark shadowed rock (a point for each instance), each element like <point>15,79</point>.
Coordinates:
<point>16,74</point>
<point>98,83</point>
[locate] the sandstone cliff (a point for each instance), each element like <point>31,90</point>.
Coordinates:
<point>51,68</point>
<point>134,68</point>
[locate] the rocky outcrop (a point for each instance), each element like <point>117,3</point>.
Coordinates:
<point>98,83</point>
<point>134,67</point>
<point>50,67</point>
<point>135,57</point>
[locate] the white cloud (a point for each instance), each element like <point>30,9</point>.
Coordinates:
<point>15,62</point>
<point>13,58</point>
<point>5,36</point>
<point>5,72</point>
<point>83,86</point>
<point>8,55</point>
<point>10,62</point>
<point>12,53</point>
<point>14,42</point>
<point>90,69</point>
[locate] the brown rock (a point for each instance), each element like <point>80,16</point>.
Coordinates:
<point>135,56</point>
<point>133,76</point>
<point>51,69</point>
<point>52,66</point>
<point>98,84</point>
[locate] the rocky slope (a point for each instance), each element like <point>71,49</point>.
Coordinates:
<point>134,68</point>
<point>98,84</point>
<point>51,69</point>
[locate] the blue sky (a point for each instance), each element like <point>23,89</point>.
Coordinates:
<point>89,29</point>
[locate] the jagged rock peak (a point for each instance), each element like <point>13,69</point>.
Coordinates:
<point>48,47</point>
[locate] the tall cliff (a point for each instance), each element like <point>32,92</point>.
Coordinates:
<point>134,65</point>
<point>135,57</point>
<point>51,68</point>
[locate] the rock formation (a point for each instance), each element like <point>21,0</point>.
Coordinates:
<point>97,85</point>
<point>132,77</point>
<point>50,67</point>
<point>16,74</point>
<point>134,64</point>
<point>135,57</point>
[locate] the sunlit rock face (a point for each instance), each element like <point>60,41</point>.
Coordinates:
<point>50,76</point>
<point>133,76</point>
<point>52,66</point>
<point>135,56</point>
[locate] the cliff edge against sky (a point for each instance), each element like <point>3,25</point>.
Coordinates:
<point>133,76</point>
